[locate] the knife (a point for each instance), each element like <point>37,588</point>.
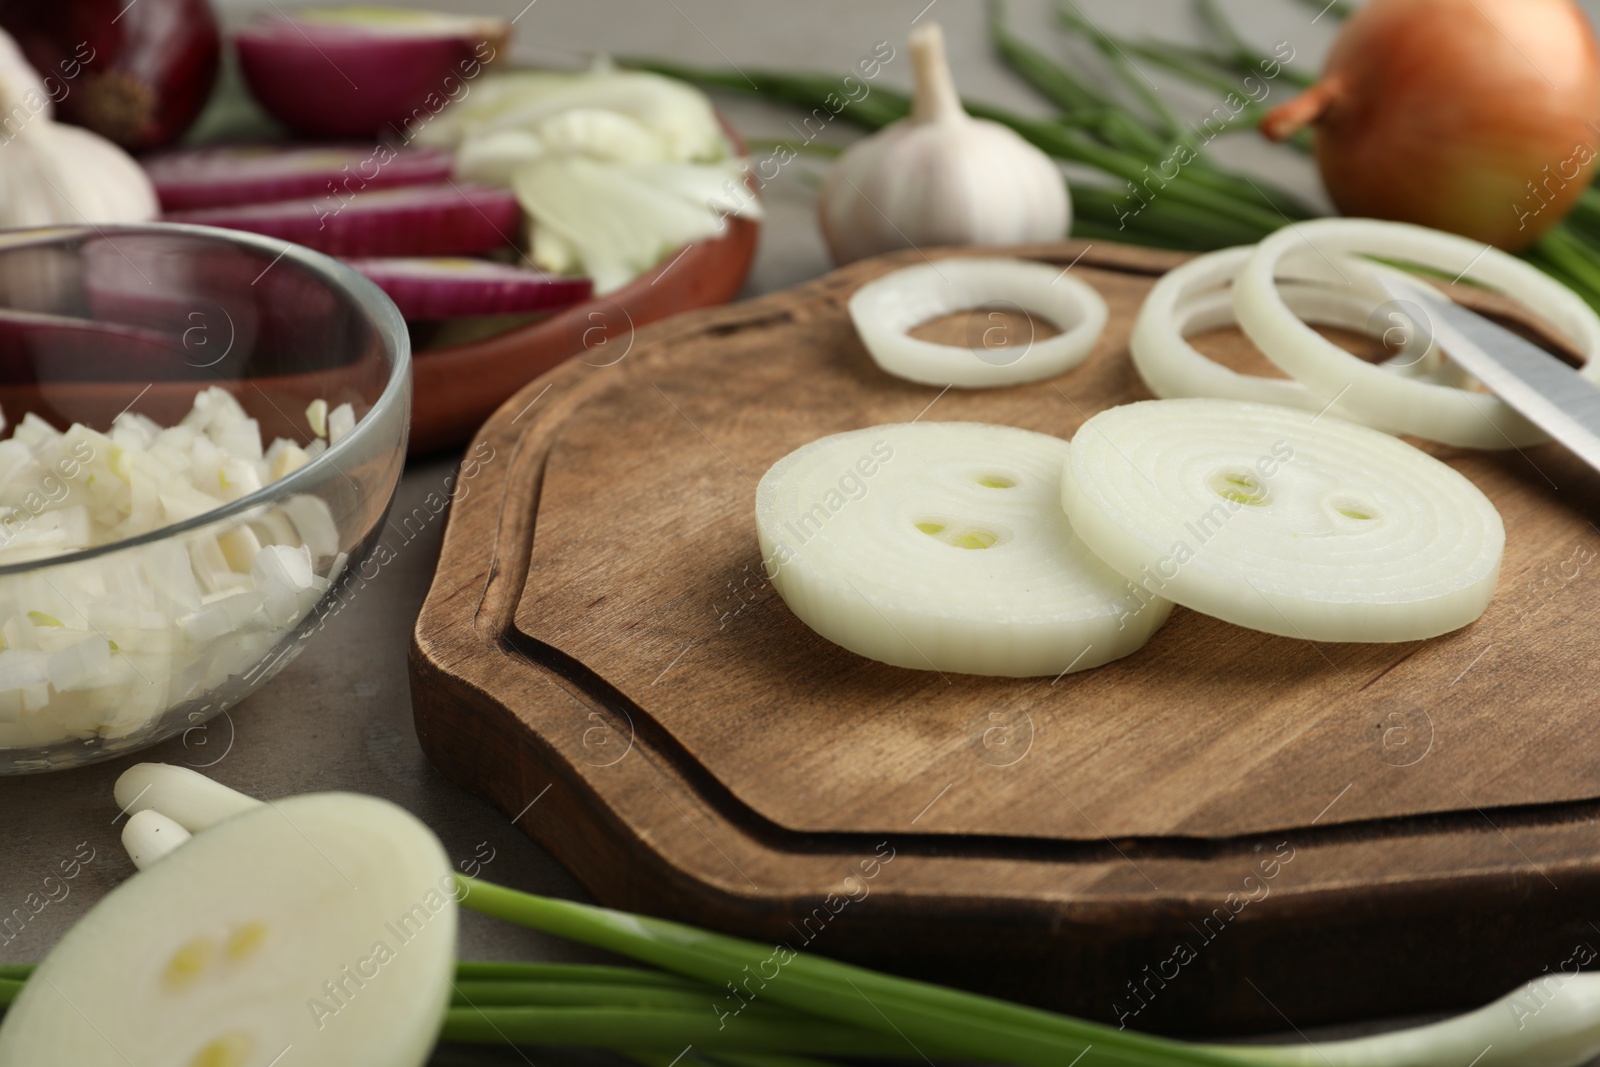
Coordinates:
<point>1550,394</point>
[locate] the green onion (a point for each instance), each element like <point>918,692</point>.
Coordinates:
<point>1339,9</point>
<point>1238,53</point>
<point>799,148</point>
<point>662,1030</point>
<point>467,971</point>
<point>912,1018</point>
<point>581,994</point>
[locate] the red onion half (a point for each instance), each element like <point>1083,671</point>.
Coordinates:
<point>362,72</point>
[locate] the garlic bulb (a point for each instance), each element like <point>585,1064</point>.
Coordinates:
<point>54,173</point>
<point>51,173</point>
<point>940,176</point>
<point>22,92</point>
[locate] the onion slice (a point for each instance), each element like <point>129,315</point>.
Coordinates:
<point>1283,521</point>
<point>942,546</point>
<point>188,178</point>
<point>450,288</point>
<point>1192,298</point>
<point>456,218</point>
<point>322,923</point>
<point>886,308</point>
<point>1438,412</point>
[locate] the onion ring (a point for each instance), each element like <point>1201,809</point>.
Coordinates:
<point>1381,399</point>
<point>886,308</point>
<point>1190,299</point>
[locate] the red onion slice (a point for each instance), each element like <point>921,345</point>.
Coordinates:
<point>449,288</point>
<point>456,218</point>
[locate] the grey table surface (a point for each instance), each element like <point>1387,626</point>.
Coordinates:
<point>339,717</point>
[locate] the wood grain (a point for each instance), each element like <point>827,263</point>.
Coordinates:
<point>599,625</point>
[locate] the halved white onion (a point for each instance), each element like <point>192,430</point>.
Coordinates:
<point>1194,297</point>
<point>1282,521</point>
<point>1439,412</point>
<point>322,924</point>
<point>942,546</point>
<point>885,309</point>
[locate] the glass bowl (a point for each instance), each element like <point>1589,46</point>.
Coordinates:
<point>116,647</point>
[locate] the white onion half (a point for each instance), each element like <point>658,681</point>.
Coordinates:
<point>322,924</point>
<point>942,546</point>
<point>1194,297</point>
<point>885,309</point>
<point>1281,521</point>
<point>1382,399</point>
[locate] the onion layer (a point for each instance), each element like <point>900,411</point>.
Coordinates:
<point>942,546</point>
<point>885,308</point>
<point>1283,521</point>
<point>1380,398</point>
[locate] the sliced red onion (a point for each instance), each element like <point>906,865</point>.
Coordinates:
<point>452,288</point>
<point>358,72</point>
<point>456,218</point>
<point>191,178</point>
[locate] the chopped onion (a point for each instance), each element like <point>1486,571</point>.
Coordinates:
<point>1400,405</point>
<point>341,420</point>
<point>325,924</point>
<point>1283,521</point>
<point>886,308</point>
<point>1192,298</point>
<point>942,546</point>
<point>107,646</point>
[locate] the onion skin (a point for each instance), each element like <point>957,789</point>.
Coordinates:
<point>136,74</point>
<point>1479,117</point>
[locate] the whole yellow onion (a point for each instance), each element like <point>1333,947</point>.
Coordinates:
<point>1481,117</point>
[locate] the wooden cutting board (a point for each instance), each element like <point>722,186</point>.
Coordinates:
<point>1227,830</point>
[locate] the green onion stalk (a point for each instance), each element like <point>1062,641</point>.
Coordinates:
<point>811,1006</point>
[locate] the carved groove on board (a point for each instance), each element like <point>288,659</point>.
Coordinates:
<point>1027,849</point>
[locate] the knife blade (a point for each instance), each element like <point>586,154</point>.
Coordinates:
<point>1545,390</point>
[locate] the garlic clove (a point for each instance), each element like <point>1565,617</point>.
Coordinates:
<point>940,177</point>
